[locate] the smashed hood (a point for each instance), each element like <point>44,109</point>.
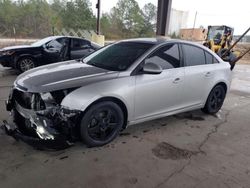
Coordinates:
<point>62,75</point>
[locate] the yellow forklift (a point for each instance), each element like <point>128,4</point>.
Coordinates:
<point>219,40</point>
<point>219,37</point>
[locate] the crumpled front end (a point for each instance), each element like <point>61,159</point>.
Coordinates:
<point>40,120</point>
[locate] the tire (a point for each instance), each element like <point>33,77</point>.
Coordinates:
<point>101,123</point>
<point>25,63</point>
<point>215,100</point>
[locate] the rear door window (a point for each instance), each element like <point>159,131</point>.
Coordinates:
<point>79,44</point>
<point>215,60</point>
<point>193,55</point>
<point>209,58</point>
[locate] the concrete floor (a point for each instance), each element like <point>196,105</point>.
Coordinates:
<point>185,150</point>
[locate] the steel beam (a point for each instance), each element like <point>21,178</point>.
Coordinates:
<point>163,17</point>
<point>98,6</point>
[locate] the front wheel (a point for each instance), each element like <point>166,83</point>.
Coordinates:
<point>101,123</point>
<point>215,100</point>
<point>25,64</point>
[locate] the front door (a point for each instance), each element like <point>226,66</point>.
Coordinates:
<point>56,50</point>
<point>160,93</point>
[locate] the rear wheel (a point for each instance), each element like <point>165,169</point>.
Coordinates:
<point>101,123</point>
<point>215,100</point>
<point>25,63</point>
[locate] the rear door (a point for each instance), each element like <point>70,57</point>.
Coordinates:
<point>199,74</point>
<point>159,93</point>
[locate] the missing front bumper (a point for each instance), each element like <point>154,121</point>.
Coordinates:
<point>50,128</point>
<point>57,143</point>
<point>43,136</point>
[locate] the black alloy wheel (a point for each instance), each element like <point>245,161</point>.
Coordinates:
<point>25,64</point>
<point>215,100</point>
<point>101,123</point>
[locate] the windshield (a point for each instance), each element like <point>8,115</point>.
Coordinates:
<point>43,41</point>
<point>117,57</point>
<point>215,32</point>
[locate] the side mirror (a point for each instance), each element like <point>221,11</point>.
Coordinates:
<point>151,68</point>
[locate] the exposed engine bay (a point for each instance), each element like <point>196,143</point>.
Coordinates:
<point>40,116</point>
<point>44,110</point>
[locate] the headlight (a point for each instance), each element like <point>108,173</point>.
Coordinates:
<point>9,52</point>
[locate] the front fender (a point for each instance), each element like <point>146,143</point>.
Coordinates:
<point>120,88</point>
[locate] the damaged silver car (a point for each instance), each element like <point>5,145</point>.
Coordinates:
<point>125,83</point>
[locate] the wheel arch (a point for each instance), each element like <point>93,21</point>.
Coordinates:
<point>19,57</point>
<point>116,100</point>
<point>223,84</point>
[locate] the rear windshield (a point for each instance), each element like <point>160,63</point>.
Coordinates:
<point>119,56</point>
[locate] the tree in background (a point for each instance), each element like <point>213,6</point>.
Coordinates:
<point>150,15</point>
<point>106,26</point>
<point>37,18</point>
<point>127,20</point>
<point>29,18</point>
<point>33,18</point>
<point>77,14</point>
<point>57,7</point>
<point>8,16</point>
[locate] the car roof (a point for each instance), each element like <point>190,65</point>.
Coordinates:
<point>146,40</point>
<point>61,36</point>
<point>161,40</point>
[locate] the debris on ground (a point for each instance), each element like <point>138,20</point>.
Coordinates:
<point>164,150</point>
<point>242,47</point>
<point>64,157</point>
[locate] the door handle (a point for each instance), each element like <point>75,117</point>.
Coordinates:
<point>176,80</point>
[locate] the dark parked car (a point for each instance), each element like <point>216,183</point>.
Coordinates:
<point>48,50</point>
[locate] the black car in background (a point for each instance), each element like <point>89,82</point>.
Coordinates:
<point>48,50</point>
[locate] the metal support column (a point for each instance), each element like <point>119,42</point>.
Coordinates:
<point>98,6</point>
<point>163,17</point>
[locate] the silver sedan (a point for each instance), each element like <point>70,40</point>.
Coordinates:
<point>122,84</point>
